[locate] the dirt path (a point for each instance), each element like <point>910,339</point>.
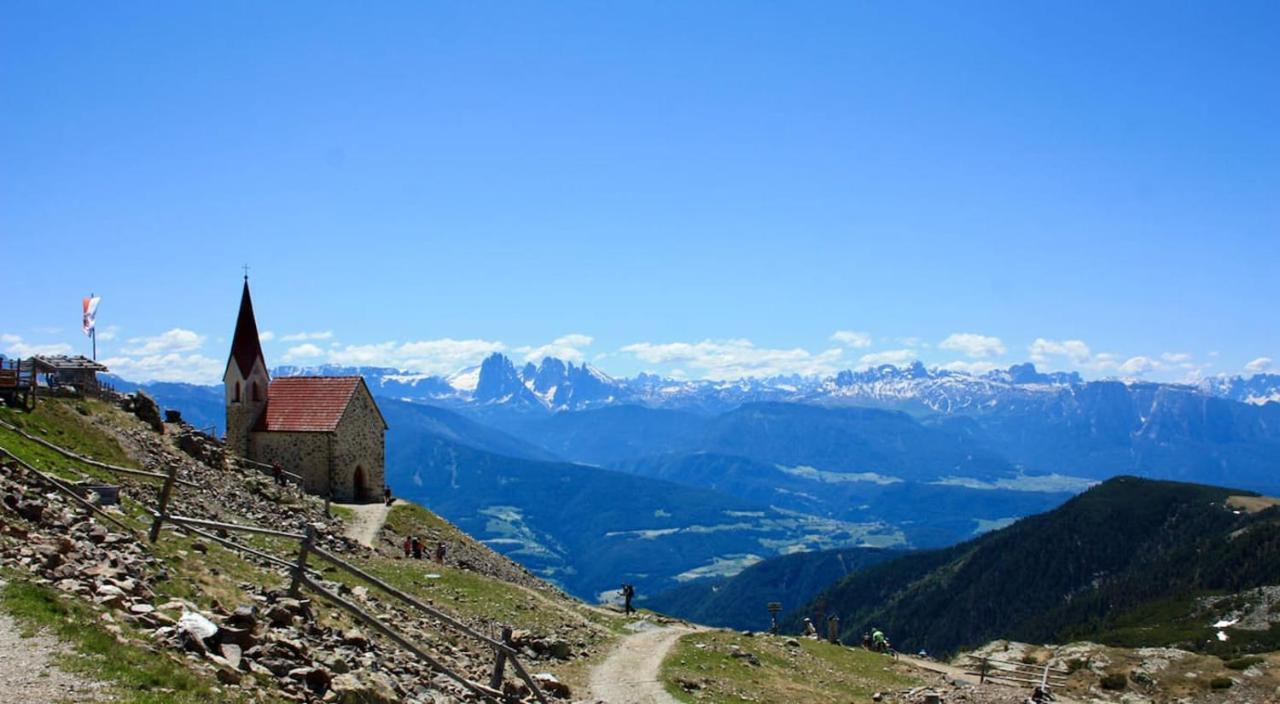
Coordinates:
<point>27,675</point>
<point>630,674</point>
<point>368,520</point>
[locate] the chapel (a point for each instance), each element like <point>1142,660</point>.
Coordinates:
<point>328,429</point>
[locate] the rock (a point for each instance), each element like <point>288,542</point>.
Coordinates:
<point>363,687</point>
<point>244,617</point>
<point>98,534</point>
<point>228,675</point>
<point>279,615</point>
<point>334,663</point>
<point>548,683</point>
<point>242,637</point>
<point>558,649</point>
<point>231,653</point>
<point>147,411</point>
<point>317,680</point>
<point>141,609</point>
<point>355,638</point>
<point>194,630</point>
<point>793,643</point>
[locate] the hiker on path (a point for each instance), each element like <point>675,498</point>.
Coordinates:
<point>866,640</point>
<point>628,592</point>
<point>277,472</point>
<point>408,546</point>
<point>809,630</point>
<point>879,640</point>
<point>833,629</point>
<point>386,495</point>
<point>417,548</point>
<point>440,550</point>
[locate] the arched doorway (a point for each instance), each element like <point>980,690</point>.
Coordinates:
<point>359,489</point>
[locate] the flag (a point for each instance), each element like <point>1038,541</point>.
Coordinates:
<point>90,313</point>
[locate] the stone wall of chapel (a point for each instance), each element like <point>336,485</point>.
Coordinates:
<point>306,454</point>
<point>359,442</point>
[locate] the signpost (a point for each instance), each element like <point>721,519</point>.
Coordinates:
<point>775,608</point>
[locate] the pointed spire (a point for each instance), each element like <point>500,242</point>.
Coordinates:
<point>245,347</point>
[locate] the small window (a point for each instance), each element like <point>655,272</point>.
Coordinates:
<point>257,392</point>
<point>235,395</point>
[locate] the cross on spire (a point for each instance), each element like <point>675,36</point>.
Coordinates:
<point>246,272</point>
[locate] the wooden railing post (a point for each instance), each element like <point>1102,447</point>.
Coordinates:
<point>500,664</point>
<point>163,509</point>
<point>300,569</point>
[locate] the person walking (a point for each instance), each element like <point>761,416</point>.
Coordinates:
<point>417,548</point>
<point>408,546</point>
<point>277,473</point>
<point>628,593</point>
<point>440,550</point>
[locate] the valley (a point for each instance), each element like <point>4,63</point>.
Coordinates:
<point>590,480</point>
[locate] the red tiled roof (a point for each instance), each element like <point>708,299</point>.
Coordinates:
<point>306,403</point>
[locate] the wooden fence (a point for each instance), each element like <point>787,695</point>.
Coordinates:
<point>301,574</point>
<point>1020,674</point>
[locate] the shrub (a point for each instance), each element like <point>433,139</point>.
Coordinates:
<point>1030,659</point>
<point>1114,681</point>
<point>1075,665</point>
<point>1221,683</point>
<point>1243,663</point>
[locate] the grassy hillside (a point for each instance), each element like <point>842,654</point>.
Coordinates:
<point>729,667</point>
<point>1124,562</point>
<point>475,586</point>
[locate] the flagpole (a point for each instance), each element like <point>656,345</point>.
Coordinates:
<point>93,334</point>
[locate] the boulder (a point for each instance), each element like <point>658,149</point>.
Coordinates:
<point>363,687</point>
<point>548,683</point>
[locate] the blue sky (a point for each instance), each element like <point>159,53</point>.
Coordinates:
<point>707,189</point>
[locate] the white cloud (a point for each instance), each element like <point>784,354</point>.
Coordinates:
<point>974,368</point>
<point>1258,365</point>
<point>266,336</point>
<point>443,356</point>
<point>15,346</point>
<point>566,347</point>
<point>894,357</point>
<point>852,338</point>
<point>1138,366</point>
<point>303,351</point>
<point>1074,350</point>
<point>1176,357</point>
<point>302,336</point>
<point>175,340</point>
<point>192,368</point>
<point>108,333</point>
<point>736,359</point>
<point>973,345</point>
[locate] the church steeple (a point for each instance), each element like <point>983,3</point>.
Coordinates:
<point>246,379</point>
<point>245,347</point>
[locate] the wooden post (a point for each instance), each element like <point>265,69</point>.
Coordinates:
<point>500,664</point>
<point>300,569</point>
<point>982,671</point>
<point>165,491</point>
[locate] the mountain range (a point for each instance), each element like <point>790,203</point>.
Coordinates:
<point>589,479</point>
<point>555,385</point>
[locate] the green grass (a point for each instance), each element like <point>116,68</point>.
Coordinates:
<point>60,422</point>
<point>136,674</point>
<point>812,671</point>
